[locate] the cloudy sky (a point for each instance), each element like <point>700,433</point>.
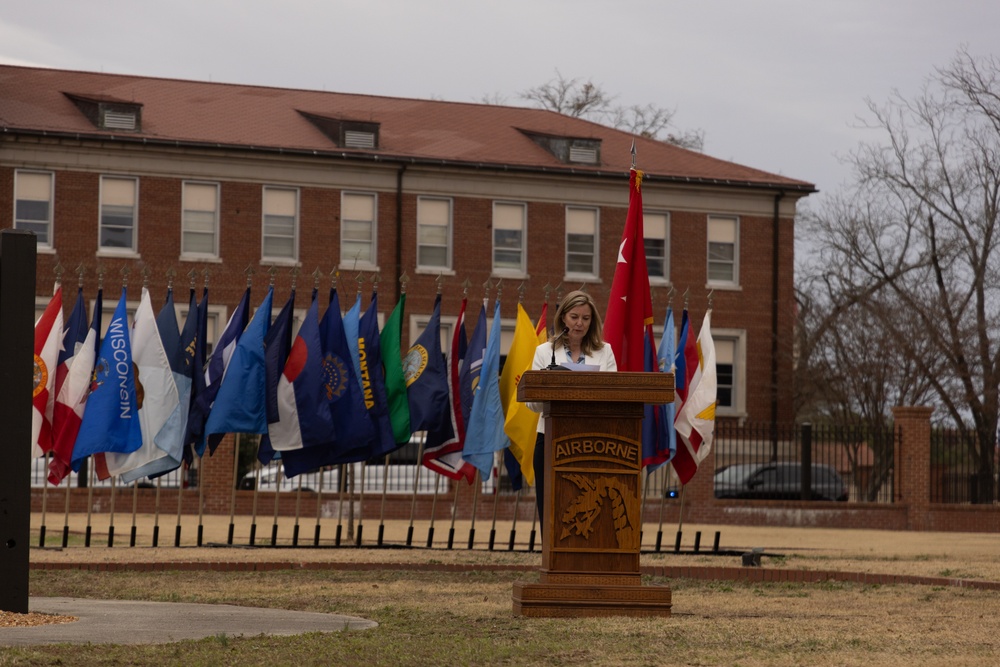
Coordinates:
<point>774,84</point>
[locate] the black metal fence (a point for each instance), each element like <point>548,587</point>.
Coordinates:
<point>804,460</point>
<point>962,471</point>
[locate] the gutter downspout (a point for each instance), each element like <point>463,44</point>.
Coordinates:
<point>774,309</point>
<point>399,231</point>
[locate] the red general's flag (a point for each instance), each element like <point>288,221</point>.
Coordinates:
<point>630,309</point>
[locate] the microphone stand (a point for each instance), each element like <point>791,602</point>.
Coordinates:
<point>553,366</point>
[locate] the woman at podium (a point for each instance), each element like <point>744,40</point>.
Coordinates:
<point>578,345</point>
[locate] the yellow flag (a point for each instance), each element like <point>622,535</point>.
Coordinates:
<point>520,423</point>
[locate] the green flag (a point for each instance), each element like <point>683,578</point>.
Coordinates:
<point>395,379</point>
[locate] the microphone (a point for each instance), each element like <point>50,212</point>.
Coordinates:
<point>553,366</point>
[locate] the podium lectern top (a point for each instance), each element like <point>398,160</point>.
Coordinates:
<point>653,388</point>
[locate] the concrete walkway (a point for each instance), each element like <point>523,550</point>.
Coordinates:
<point>127,622</point>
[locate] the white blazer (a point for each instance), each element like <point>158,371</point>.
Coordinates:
<point>603,358</point>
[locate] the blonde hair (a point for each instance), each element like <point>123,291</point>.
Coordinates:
<point>594,340</point>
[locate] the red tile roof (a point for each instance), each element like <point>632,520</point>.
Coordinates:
<point>34,100</point>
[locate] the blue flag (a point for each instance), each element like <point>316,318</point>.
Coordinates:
<point>655,436</point>
<point>484,435</point>
<point>215,371</point>
<point>468,376</point>
<point>241,405</point>
<point>193,431</point>
<point>166,324</point>
<point>373,381</point>
<point>111,419</point>
<point>352,320</point>
<point>427,377</point>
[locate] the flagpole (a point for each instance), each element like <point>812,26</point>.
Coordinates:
<point>680,522</point>
<point>253,511</point>
<point>342,480</point>
<point>416,485</point>
<point>361,506</point>
<point>319,506</point>
<point>65,535</point>
<point>477,489</point>
<point>434,500</point>
<point>381,511</point>
<point>90,501</point>
<point>663,502</point>
<point>111,513</point>
<point>454,511</point>
<point>45,490</point>
<point>180,497</point>
<point>237,445</point>
<point>496,501</point>
<point>513,523</point>
<point>277,499</point>
<point>156,513</point>
<point>135,509</point>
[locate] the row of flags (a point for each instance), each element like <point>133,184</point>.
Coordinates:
<point>145,399</point>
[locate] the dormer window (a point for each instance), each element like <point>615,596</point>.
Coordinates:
<point>108,113</point>
<point>346,133</point>
<point>569,150</point>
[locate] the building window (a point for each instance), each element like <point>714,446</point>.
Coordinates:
<point>656,239</point>
<point>433,233</point>
<point>509,222</point>
<point>723,251</point>
<point>119,227</point>
<point>200,221</point>
<point>581,242</point>
<point>33,204</point>
<point>730,369</point>
<point>281,224</point>
<point>357,229</point>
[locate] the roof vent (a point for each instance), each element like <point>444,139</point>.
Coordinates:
<point>344,132</point>
<point>109,113</point>
<point>568,150</point>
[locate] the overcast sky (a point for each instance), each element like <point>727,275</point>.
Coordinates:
<point>774,84</point>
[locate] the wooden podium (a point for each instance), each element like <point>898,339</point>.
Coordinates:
<point>591,528</point>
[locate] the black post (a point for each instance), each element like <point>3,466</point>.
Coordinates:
<point>807,458</point>
<point>17,339</point>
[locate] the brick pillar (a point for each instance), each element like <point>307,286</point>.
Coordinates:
<point>217,477</point>
<point>913,463</point>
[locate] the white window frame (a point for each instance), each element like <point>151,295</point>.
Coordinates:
<point>660,235</point>
<point>424,221</point>
<point>502,223</point>
<point>113,250</point>
<point>716,235</point>
<point>191,254</point>
<point>346,260</point>
<point>595,272</point>
<point>279,259</point>
<point>47,244</point>
<point>739,339</point>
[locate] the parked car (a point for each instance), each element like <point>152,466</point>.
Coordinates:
<point>778,481</point>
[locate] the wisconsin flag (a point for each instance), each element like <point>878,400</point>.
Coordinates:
<point>520,423</point>
<point>48,340</point>
<point>696,418</point>
<point>630,308</point>
<point>157,399</point>
<point>111,420</point>
<point>73,397</point>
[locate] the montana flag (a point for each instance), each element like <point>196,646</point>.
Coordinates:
<point>696,418</point>
<point>111,420</point>
<point>443,447</point>
<point>215,371</point>
<point>484,436</point>
<point>157,399</point>
<point>520,423</point>
<point>240,406</point>
<point>630,308</point>
<point>373,381</point>
<point>427,377</point>
<point>73,397</point>
<point>395,378</point>
<point>304,418</point>
<point>48,340</point>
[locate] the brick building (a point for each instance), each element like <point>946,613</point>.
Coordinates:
<point>164,174</point>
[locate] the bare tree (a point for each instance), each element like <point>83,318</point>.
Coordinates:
<point>914,244</point>
<point>586,99</point>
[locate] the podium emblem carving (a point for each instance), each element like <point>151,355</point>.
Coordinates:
<point>579,516</point>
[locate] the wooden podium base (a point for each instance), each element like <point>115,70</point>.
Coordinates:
<point>589,598</point>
